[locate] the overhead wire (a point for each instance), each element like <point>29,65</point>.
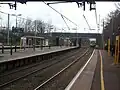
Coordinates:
<point>65,22</point>
<point>3,12</point>
<point>60,14</point>
<point>97,19</point>
<point>72,21</point>
<point>63,16</point>
<point>57,2</point>
<point>86,21</point>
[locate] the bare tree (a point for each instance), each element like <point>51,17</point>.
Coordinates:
<point>49,28</point>
<point>21,23</point>
<point>40,26</point>
<point>28,25</point>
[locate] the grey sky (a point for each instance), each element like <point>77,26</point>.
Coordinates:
<point>38,10</point>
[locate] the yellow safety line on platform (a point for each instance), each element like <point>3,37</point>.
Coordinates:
<point>101,73</point>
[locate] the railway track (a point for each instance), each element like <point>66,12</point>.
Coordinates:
<point>30,66</point>
<point>32,71</point>
<point>41,86</point>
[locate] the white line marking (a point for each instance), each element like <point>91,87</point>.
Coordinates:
<point>78,74</point>
<point>60,71</point>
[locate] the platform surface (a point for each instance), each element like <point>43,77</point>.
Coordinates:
<point>111,74</point>
<point>100,65</point>
<point>84,80</point>
<point>29,52</point>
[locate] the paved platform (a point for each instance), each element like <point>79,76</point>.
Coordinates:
<point>99,73</point>
<point>111,74</point>
<point>30,52</point>
<point>83,79</point>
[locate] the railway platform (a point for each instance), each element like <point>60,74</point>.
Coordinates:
<point>25,57</point>
<point>99,73</point>
<point>29,52</point>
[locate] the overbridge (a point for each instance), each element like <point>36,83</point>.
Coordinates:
<point>97,36</point>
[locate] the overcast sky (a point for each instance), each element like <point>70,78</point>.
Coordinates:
<point>38,10</point>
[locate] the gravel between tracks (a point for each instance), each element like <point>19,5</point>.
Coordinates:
<point>32,81</point>
<point>61,81</point>
<point>4,78</point>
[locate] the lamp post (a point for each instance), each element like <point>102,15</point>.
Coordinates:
<point>8,29</point>
<point>1,23</point>
<point>16,17</point>
<point>35,32</point>
<point>103,35</point>
<point>77,36</point>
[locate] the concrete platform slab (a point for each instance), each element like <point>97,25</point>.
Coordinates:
<point>85,77</point>
<point>111,73</point>
<point>30,52</point>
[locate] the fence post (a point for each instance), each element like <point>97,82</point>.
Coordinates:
<point>15,48</point>
<point>2,48</point>
<point>49,46</point>
<point>11,50</point>
<point>33,47</point>
<point>41,47</point>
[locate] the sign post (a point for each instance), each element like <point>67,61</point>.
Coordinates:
<point>109,47</point>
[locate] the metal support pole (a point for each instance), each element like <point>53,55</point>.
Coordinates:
<point>15,48</point>
<point>77,36</point>
<point>49,46</point>
<point>8,29</point>
<point>41,47</point>
<point>41,44</point>
<point>109,47</point>
<point>11,47</point>
<point>35,33</point>
<point>103,35</point>
<point>34,47</point>
<point>11,50</point>
<point>16,22</point>
<point>2,48</point>
<point>112,31</point>
<point>99,24</point>
<point>1,23</point>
